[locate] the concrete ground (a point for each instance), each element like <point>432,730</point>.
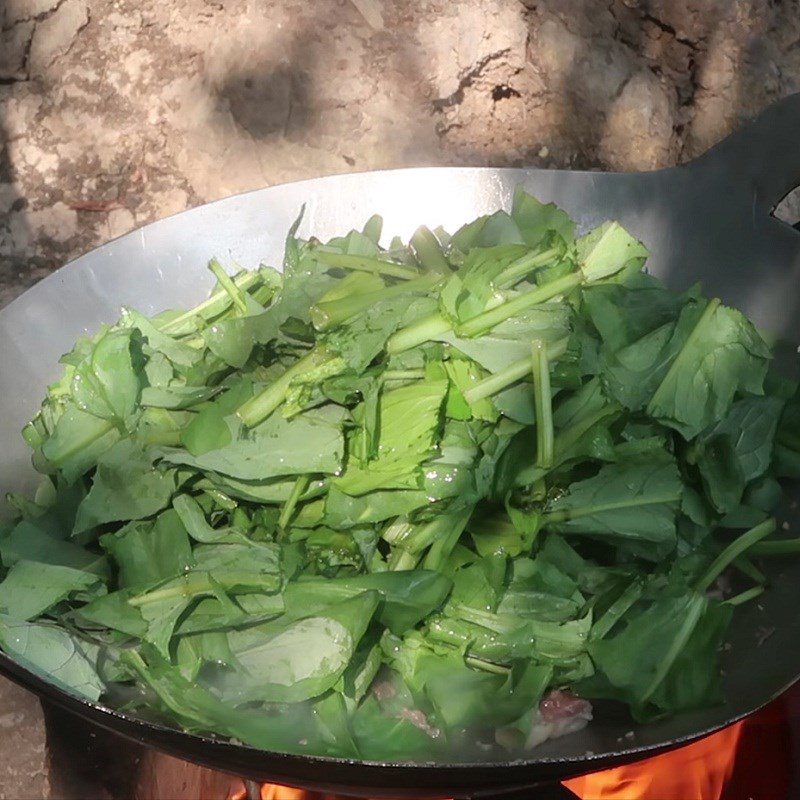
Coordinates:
<point>114,113</point>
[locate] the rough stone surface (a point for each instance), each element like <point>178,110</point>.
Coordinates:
<point>124,111</point>
<point>14,43</point>
<point>54,36</point>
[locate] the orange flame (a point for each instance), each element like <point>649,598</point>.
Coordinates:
<point>269,791</point>
<point>699,770</point>
<point>272,791</point>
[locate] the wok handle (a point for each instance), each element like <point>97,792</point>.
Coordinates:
<point>761,159</point>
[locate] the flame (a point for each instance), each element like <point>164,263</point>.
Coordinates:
<point>272,791</point>
<point>698,771</point>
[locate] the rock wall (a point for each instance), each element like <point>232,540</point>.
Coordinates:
<point>115,113</point>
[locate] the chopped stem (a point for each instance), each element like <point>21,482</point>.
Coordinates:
<point>403,375</point>
<point>420,332</point>
<point>258,408</point>
<point>486,666</point>
<point>511,374</point>
<point>566,439</point>
<point>205,583</point>
<point>733,551</point>
<point>330,313</point>
<point>539,490</point>
<point>687,628</point>
<point>488,319</point>
<point>401,560</point>
<point>587,511</point>
<point>425,535</point>
<point>744,597</point>
<point>162,437</point>
<point>748,568</point>
<point>428,251</point>
<point>617,609</point>
<point>441,549</point>
<point>377,266</point>
<point>397,531</point>
<point>500,380</point>
<point>226,282</point>
<point>212,305</point>
<point>300,485</point>
<point>523,265</point>
<point>779,547</point>
<point>542,399</point>
<point>440,535</point>
<point>563,442</point>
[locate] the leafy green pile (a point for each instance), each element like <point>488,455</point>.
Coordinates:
<point>381,504</point>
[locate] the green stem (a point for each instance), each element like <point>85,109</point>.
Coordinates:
<point>523,265</point>
<point>401,560</point>
<point>511,374</point>
<point>403,375</point>
<point>161,438</point>
<point>420,332</point>
<point>487,666</point>
<point>226,282</point>
<point>749,569</point>
<point>686,630</point>
<point>326,315</point>
<point>780,547</point>
<point>441,549</point>
<point>258,408</point>
<point>422,536</point>
<point>398,531</point>
<point>488,319</point>
<point>495,383</point>
<point>745,597</point>
<point>204,583</point>
<point>542,399</point>
<point>563,443</point>
<point>428,251</point>
<point>377,266</point>
<point>738,546</point>
<point>212,306</point>
<point>617,609</point>
<point>588,511</point>
<point>300,485</point>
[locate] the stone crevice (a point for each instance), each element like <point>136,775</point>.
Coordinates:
<point>467,80</point>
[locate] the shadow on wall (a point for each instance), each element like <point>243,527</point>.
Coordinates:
<point>14,233</point>
<point>271,99</point>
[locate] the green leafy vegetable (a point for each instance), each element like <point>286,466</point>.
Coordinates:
<point>386,503</point>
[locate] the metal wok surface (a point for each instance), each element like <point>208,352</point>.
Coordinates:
<point>708,220</point>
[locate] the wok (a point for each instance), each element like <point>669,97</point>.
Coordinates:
<point>707,220</point>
